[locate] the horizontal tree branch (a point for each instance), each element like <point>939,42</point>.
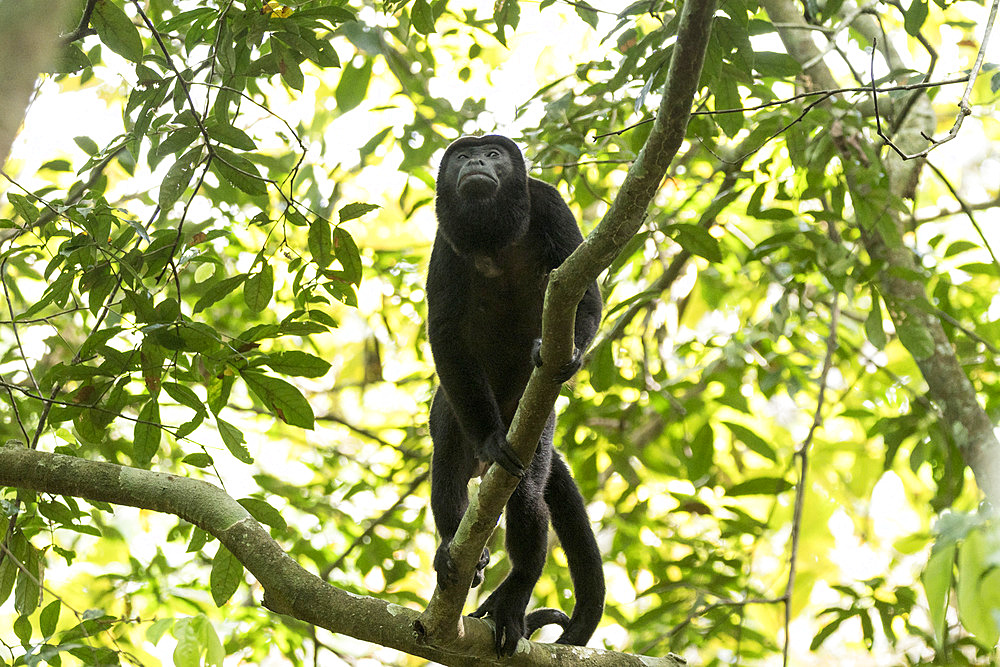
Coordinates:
<point>288,587</point>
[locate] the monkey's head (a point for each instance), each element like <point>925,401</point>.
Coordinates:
<point>482,199</point>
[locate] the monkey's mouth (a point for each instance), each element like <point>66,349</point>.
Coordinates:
<point>480,178</point>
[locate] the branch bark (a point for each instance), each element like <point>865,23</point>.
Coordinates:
<point>288,587</point>
<point>906,296</point>
<point>442,624</point>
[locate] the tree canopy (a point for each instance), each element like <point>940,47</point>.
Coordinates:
<point>214,228</point>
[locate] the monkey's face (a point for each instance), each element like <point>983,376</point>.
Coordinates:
<point>478,171</point>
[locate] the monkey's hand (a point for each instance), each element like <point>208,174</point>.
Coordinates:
<point>447,572</point>
<point>496,449</point>
<point>567,371</point>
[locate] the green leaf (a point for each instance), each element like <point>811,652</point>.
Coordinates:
<point>259,288</point>
<point>830,628</point>
<point>8,575</point>
<point>936,579</point>
<point>184,395</point>
<point>116,30</point>
<point>288,65</point>
<point>348,255</point>
<point>960,246</point>
<point>178,140</point>
<point>146,436</point>
<point>873,323</point>
<point>198,460</point>
<point>87,145</point>
<point>49,618</point>
<point>282,398</point>
<point>767,486</point>
<point>158,629</point>
<point>219,290</point>
<point>27,588</point>
<point>321,241</point>
<point>264,513</point>
<point>24,207</point>
<point>176,181</point>
<point>187,653</point>
<point>777,65</point>
<point>233,136</point>
<point>232,437</point>
<point>914,17</point>
<point>355,210</point>
<point>238,171</point>
<point>422,17</point>
<point>702,453</point>
<point>975,607</point>
<point>603,371</point>
<point>353,85</point>
<point>97,340</point>
<point>754,442</point>
<point>69,59</point>
<point>505,12</point>
<point>915,338</point>
<point>227,573</point>
<point>696,240</point>
<point>333,15</point>
<point>298,363</point>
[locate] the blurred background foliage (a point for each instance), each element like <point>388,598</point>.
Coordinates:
<point>223,278</point>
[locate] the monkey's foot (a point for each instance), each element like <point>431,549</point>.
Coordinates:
<point>564,373</point>
<point>508,620</point>
<point>447,571</point>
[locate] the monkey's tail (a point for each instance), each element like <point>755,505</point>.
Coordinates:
<point>544,616</point>
<point>569,518</point>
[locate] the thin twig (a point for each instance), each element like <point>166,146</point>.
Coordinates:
<point>803,454</point>
<point>845,23</point>
<point>13,325</point>
<point>965,209</point>
<point>824,94</point>
<point>964,109</point>
<point>83,28</point>
<point>417,481</point>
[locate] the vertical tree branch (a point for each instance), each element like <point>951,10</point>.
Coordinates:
<point>948,385</point>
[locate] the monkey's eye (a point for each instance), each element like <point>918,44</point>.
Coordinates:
<point>493,154</point>
<point>461,156</point>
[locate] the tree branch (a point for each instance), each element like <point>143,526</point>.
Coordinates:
<point>965,419</point>
<point>288,587</point>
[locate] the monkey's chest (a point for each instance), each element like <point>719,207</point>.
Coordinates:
<point>506,309</point>
<point>504,319</point>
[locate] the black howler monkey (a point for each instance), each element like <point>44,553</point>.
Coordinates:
<point>499,235</point>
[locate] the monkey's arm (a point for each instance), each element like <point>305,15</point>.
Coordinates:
<point>562,236</point>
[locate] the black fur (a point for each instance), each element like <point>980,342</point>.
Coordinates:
<point>499,235</point>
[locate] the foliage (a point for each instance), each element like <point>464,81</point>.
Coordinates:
<point>228,285</point>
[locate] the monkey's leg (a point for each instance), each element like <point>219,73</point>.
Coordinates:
<point>527,537</point>
<point>452,467</point>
